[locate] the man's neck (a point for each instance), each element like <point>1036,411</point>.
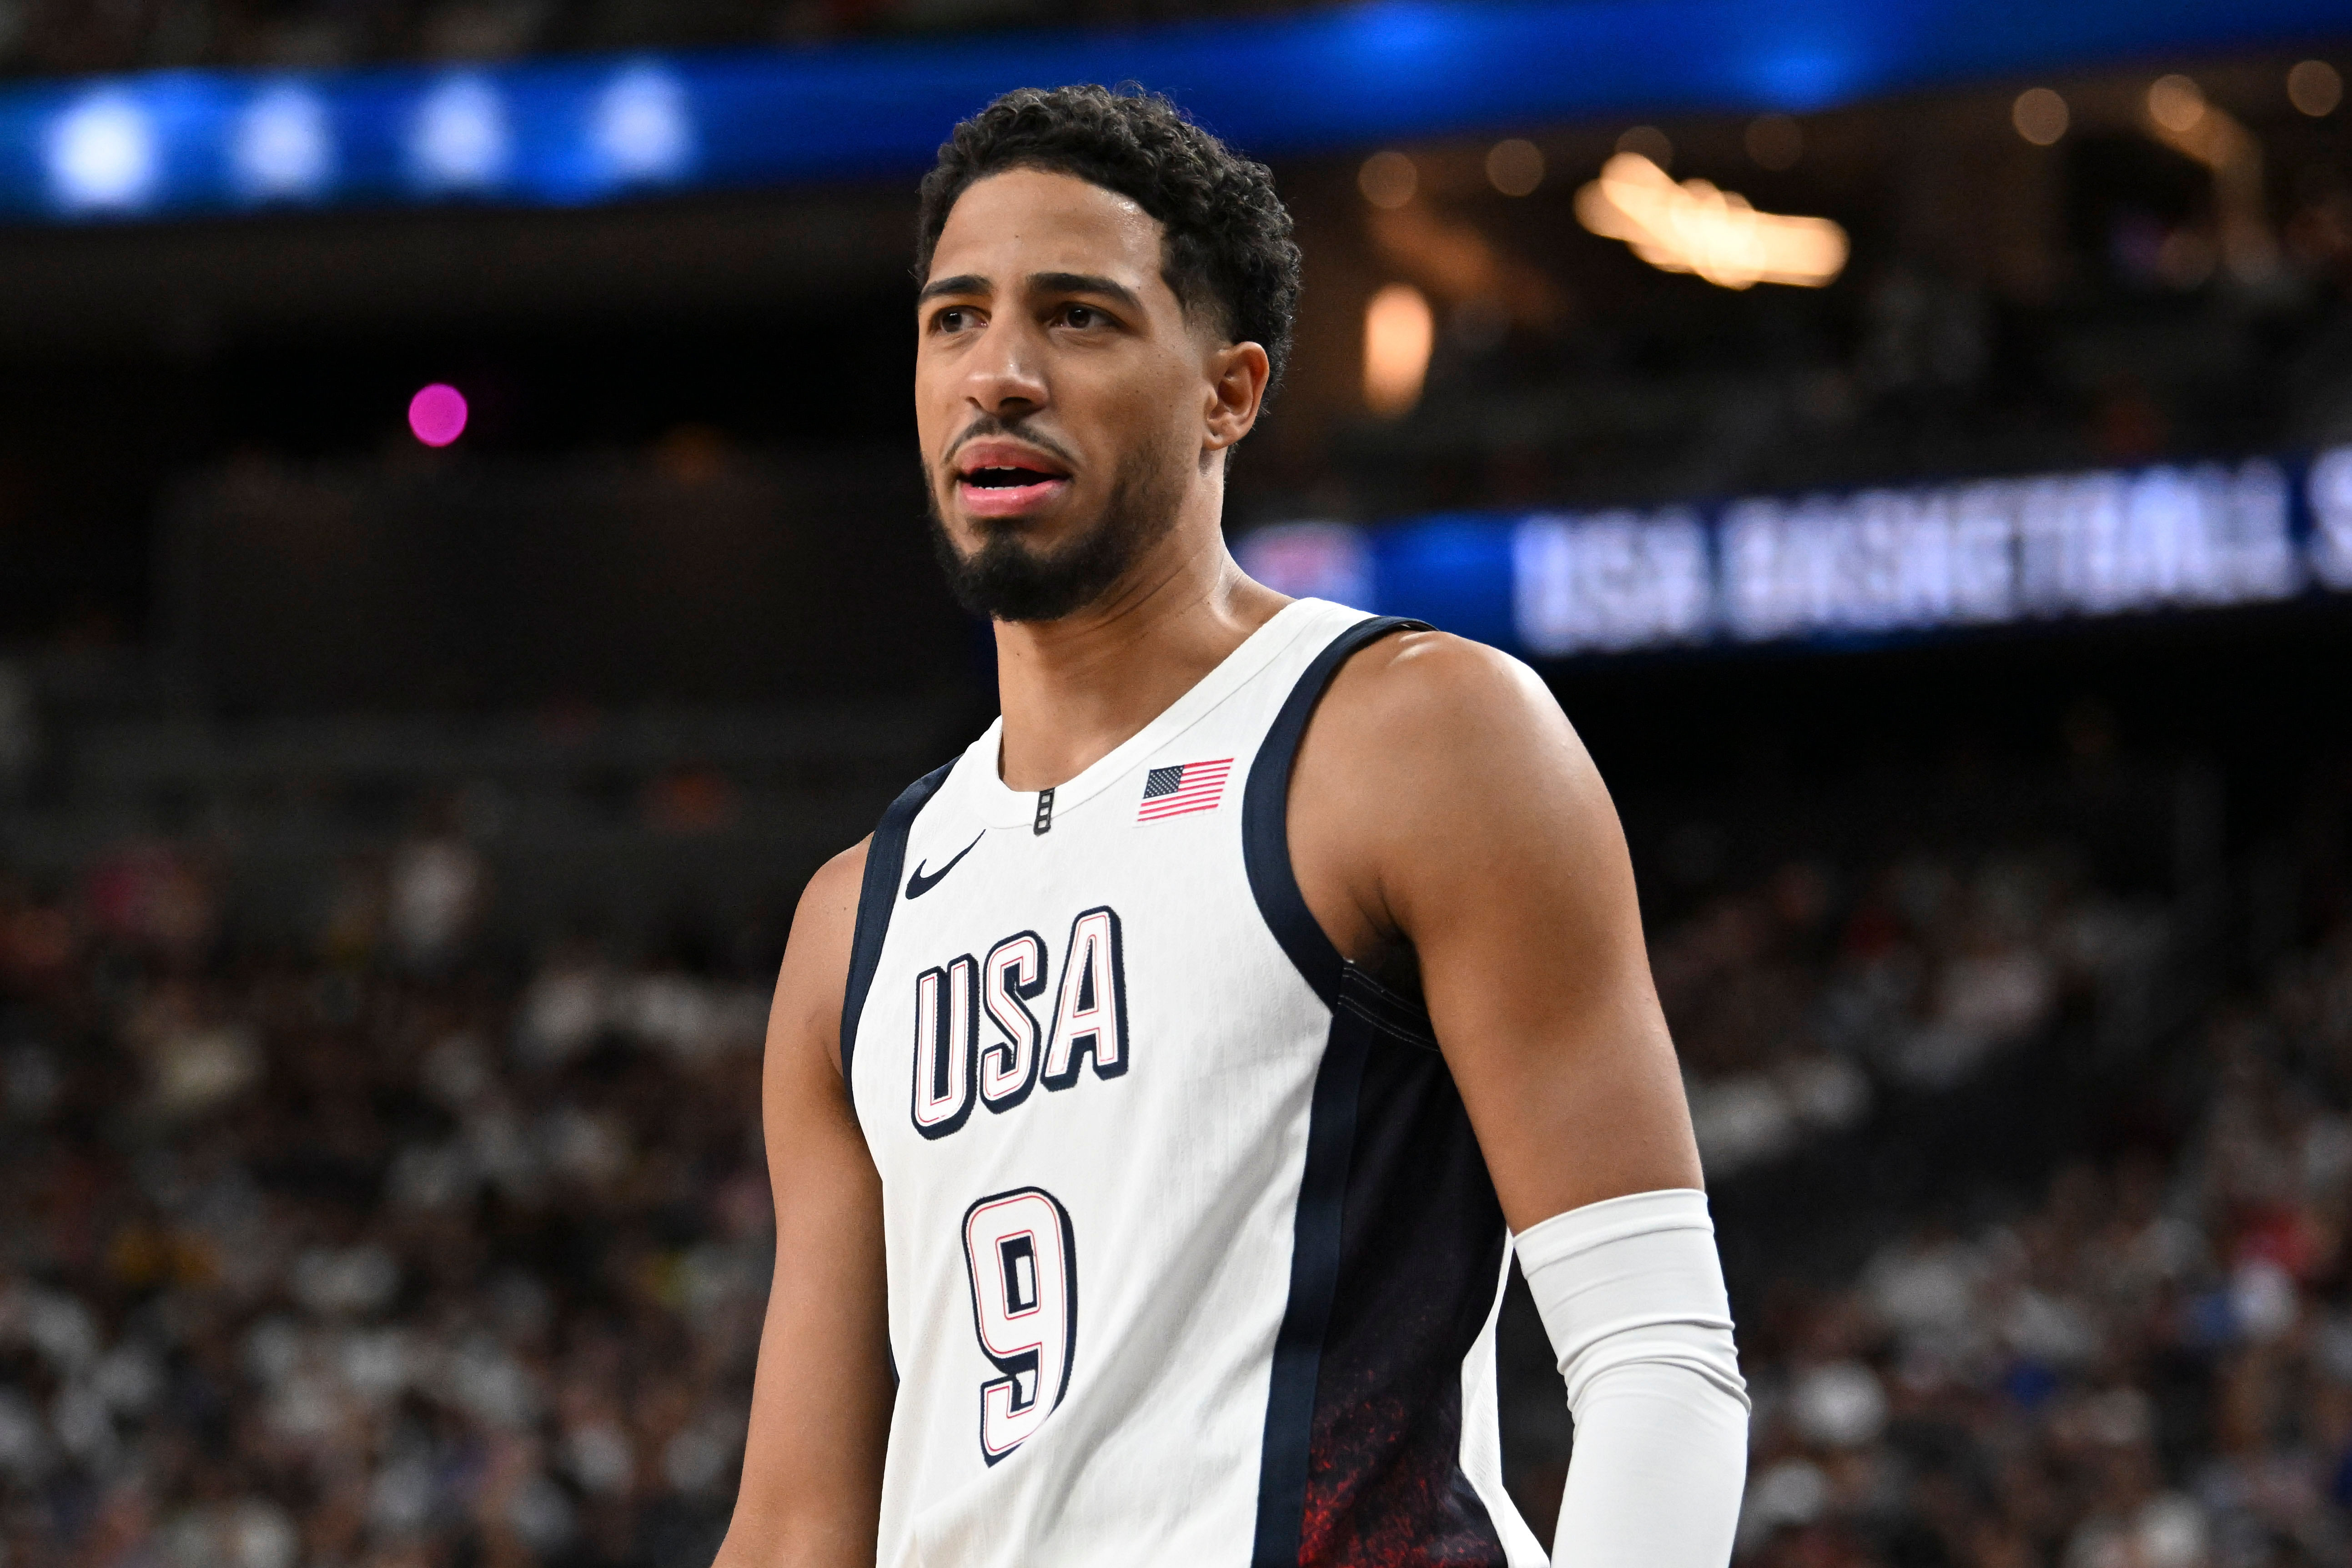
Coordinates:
<point>1073,690</point>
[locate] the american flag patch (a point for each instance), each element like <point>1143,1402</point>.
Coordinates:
<point>1186,787</point>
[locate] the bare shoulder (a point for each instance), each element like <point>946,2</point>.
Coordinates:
<point>805,1018</point>
<point>1438,777</point>
<point>1435,678</point>
<point>1436,711</point>
<point>830,899</point>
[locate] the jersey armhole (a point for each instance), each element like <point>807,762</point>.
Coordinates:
<point>878,895</point>
<point>1265,813</point>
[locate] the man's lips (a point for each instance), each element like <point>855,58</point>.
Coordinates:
<point>1008,499</point>
<point>1005,478</point>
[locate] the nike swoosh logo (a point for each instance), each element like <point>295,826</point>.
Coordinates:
<point>918,884</point>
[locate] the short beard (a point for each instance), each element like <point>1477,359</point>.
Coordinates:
<point>1005,580</point>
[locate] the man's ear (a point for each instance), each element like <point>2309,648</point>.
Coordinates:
<point>1237,376</point>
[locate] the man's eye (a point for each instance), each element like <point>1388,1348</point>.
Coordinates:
<point>1082,316</point>
<point>952,320</point>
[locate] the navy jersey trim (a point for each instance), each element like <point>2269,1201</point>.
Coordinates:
<point>878,895</point>
<point>1283,1459</point>
<point>1396,1018</point>
<point>1341,1476</point>
<point>1396,1260</point>
<point>1265,812</point>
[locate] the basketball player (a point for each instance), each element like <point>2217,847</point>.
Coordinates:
<point>1152,1100</point>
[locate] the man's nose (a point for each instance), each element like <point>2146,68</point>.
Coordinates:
<point>1007,371</point>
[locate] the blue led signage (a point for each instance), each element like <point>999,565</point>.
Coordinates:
<point>1921,558</point>
<point>570,131</point>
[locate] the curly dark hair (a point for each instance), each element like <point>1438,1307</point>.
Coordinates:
<point>1229,251</point>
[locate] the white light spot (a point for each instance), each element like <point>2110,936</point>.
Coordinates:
<point>2331,509</point>
<point>284,146</point>
<point>460,139</point>
<point>102,155</point>
<point>642,128</point>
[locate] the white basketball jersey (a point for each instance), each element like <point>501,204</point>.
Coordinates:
<point>1193,1260</point>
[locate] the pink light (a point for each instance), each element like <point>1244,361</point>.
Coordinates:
<point>437,413</point>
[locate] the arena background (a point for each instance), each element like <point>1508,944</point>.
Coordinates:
<point>398,835</point>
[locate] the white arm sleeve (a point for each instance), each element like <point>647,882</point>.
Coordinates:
<point>1632,1293</point>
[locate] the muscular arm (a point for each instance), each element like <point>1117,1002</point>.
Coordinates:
<point>821,1405</point>
<point>1444,817</point>
<point>1443,807</point>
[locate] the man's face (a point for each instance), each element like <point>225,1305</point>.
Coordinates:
<point>1059,392</point>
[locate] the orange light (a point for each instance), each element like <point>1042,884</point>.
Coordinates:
<point>2175,104</point>
<point>1398,333</point>
<point>2039,116</point>
<point>1514,167</point>
<point>1387,179</point>
<point>1695,227</point>
<point>2314,87</point>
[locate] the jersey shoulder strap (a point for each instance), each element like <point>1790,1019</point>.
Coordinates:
<point>1265,811</point>
<point>878,895</point>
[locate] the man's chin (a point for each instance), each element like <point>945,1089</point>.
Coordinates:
<point>1045,562</point>
<point>1008,578</point>
<point>1041,538</point>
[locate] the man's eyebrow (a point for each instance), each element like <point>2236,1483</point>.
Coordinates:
<point>1085,283</point>
<point>1044,282</point>
<point>963,283</point>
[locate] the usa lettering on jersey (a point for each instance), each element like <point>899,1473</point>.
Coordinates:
<point>953,1069</point>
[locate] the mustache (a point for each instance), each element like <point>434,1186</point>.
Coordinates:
<point>1012,430</point>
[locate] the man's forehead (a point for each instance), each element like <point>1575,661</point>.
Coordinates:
<point>1027,222</point>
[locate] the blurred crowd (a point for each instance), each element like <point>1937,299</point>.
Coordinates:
<point>1797,1001</point>
<point>393,1252</point>
<point>370,1259</point>
<point>2153,1369</point>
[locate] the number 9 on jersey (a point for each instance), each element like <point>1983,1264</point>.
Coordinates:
<point>1023,1264</point>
